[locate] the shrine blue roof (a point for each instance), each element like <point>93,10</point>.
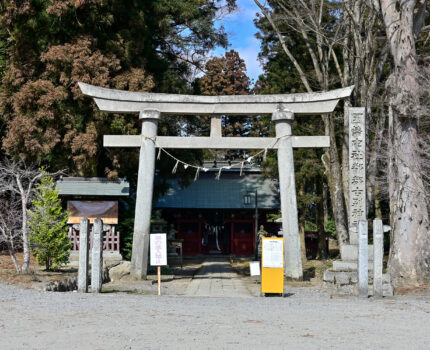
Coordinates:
<point>226,193</point>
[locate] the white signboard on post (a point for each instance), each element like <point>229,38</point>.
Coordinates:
<point>273,253</point>
<point>158,249</point>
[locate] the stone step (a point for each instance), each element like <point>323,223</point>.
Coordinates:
<point>348,265</point>
<point>348,277</point>
<point>351,289</point>
<point>350,252</point>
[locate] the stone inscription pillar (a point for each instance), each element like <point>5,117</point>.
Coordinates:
<point>145,186</point>
<point>97,257</point>
<point>287,184</point>
<point>84,246</point>
<point>357,171</point>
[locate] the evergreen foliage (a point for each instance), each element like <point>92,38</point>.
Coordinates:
<point>48,226</point>
<point>150,45</point>
<point>281,77</point>
<point>227,75</point>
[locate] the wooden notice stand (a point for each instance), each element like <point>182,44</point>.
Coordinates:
<point>158,254</point>
<point>272,271</point>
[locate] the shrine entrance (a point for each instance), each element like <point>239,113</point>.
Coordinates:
<point>232,236</point>
<point>220,217</point>
<point>151,106</point>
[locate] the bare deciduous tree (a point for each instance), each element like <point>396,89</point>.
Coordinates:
<point>18,179</point>
<point>341,39</point>
<point>409,261</point>
<point>10,226</point>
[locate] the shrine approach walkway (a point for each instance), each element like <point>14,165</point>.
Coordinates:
<point>216,278</point>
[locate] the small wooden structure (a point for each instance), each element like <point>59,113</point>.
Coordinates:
<point>93,198</point>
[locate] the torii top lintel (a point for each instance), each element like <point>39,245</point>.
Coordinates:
<point>119,101</point>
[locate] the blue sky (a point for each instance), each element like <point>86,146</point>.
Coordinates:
<point>240,28</point>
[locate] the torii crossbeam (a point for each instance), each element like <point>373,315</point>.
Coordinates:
<point>151,106</point>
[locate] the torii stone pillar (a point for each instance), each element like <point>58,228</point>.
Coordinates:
<point>150,105</point>
<point>287,185</point>
<point>145,187</point>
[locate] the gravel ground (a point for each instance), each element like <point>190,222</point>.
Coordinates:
<point>307,319</point>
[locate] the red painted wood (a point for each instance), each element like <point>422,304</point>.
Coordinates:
<point>111,240</point>
<point>242,237</point>
<point>191,232</point>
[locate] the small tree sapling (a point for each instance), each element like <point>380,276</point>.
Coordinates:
<point>48,226</point>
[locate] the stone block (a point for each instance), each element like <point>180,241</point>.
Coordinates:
<point>353,237</point>
<point>328,276</point>
<point>386,278</point>
<point>378,253</point>
<point>97,257</point>
<point>119,271</point>
<point>342,278</point>
<point>387,290</point>
<point>348,289</point>
<point>350,252</point>
<point>363,260</point>
<point>343,265</point>
<point>83,256</point>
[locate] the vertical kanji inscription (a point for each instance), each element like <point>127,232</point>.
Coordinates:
<point>357,170</point>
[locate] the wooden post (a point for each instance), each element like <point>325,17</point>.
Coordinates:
<point>159,279</point>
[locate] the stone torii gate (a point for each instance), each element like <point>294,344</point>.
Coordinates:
<point>151,106</point>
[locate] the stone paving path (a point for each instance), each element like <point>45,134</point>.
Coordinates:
<point>216,278</point>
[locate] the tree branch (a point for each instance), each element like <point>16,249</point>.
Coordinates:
<point>285,48</point>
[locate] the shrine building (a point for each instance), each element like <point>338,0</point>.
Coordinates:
<point>218,216</point>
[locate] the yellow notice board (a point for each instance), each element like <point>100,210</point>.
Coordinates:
<point>272,271</point>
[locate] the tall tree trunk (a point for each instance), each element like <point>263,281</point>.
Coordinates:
<point>25,241</point>
<point>325,204</point>
<point>372,167</point>
<point>302,228</point>
<point>11,250</point>
<point>377,202</point>
<point>322,242</point>
<point>409,261</point>
<point>334,174</point>
<point>302,241</point>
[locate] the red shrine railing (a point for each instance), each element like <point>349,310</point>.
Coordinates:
<point>111,239</point>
